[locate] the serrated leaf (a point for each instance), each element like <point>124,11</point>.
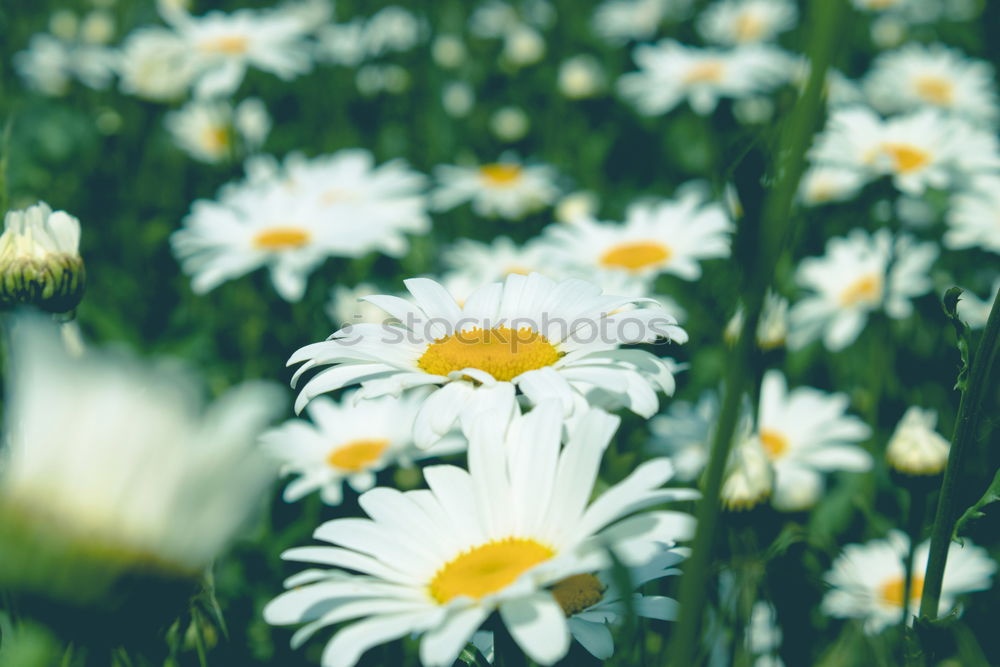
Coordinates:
<point>950,303</point>
<point>991,496</point>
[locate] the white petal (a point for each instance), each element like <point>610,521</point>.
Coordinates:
<point>538,625</point>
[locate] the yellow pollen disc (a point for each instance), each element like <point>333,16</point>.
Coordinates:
<point>892,590</point>
<point>500,174</point>
<point>906,158</point>
<point>357,455</point>
<point>935,89</point>
<point>866,289</point>
<point>216,139</point>
<point>635,255</point>
<point>227,44</point>
<point>576,593</point>
<point>502,352</point>
<point>487,568</point>
<point>710,71</point>
<point>749,28</point>
<point>775,444</point>
<point>281,238</point>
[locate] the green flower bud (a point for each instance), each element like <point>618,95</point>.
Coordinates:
<point>40,262</point>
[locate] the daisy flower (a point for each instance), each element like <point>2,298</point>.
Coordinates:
<point>915,448</point>
<point>666,236</point>
<point>670,72</point>
<point>349,441</point>
<point>346,305</point>
<point>505,189</point>
<point>859,274</point>
<point>501,536</point>
<point>733,22</point>
<point>223,46</point>
<point>823,184</point>
<point>529,333</point>
<point>155,64</point>
<point>49,64</point>
<point>806,432</point>
<point>918,76</point>
<point>973,217</point>
<point>208,130</point>
<point>489,262</point>
<point>868,580</point>
<point>749,478</point>
<point>619,21</point>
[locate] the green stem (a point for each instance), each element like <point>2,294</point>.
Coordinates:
<point>773,233</point>
<point>964,435</point>
<point>914,526</point>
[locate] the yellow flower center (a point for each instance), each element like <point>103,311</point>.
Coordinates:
<point>215,139</point>
<point>281,238</point>
<point>502,352</point>
<point>709,71</point>
<point>892,590</point>
<point>935,90</point>
<point>500,175</point>
<point>576,593</point>
<point>906,158</point>
<point>357,455</point>
<point>866,289</point>
<point>636,255</point>
<point>775,444</point>
<point>231,45</point>
<point>487,568</point>
<point>749,28</point>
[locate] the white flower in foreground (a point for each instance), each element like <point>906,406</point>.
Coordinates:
<point>119,457</point>
<point>918,76</point>
<point>975,311</point>
<point>684,434</point>
<point>623,20</point>
<point>732,22</point>
<point>506,189</point>
<point>868,580</point>
<point>40,260</point>
<point>291,217</point>
<point>860,273</point>
<point>915,448</point>
<point>156,64</point>
<point>349,441</point>
<point>223,46</point>
<point>529,333</point>
<point>498,537</point>
<point>670,72</point>
<point>210,130</point>
<point>806,432</point>
<point>665,236</point>
<point>974,217</point>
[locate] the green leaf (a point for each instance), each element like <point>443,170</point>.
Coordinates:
<point>991,496</point>
<point>950,303</point>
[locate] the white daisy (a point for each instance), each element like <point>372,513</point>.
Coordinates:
<point>868,580</point>
<point>732,22</point>
<point>772,326</point>
<point>155,64</point>
<point>209,130</point>
<point>975,311</point>
<point>494,261</point>
<point>750,477</point>
<point>684,434</point>
<point>670,72</point>
<point>619,21</point>
<point>974,217</point>
<point>824,184</point>
<point>349,441</point>
<point>763,635</point>
<point>918,76</point>
<point>860,273</point>
<point>915,448</point>
<point>346,305</point>
<point>49,64</point>
<point>665,236</point>
<point>506,189</point>
<point>223,46</point>
<point>500,537</point>
<point>806,432</point>
<point>529,333</point>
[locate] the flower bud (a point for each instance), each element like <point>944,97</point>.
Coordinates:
<point>749,476</point>
<point>915,448</point>
<point>40,262</point>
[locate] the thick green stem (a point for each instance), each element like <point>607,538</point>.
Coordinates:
<point>914,525</point>
<point>773,232</point>
<point>964,435</point>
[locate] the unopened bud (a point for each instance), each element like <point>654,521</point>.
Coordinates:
<point>915,447</point>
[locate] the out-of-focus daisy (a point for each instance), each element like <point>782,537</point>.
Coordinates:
<point>529,333</point>
<point>973,217</point>
<point>732,22</point>
<point>684,432</point>
<point>918,76</point>
<point>349,441</point>
<point>975,311</point>
<point>868,580</point>
<point>670,73</point>
<point>749,478</point>
<point>772,326</point>
<point>494,261</point>
<point>342,43</point>
<point>507,189</point>
<point>860,273</point>
<point>501,537</point>
<point>824,185</point>
<point>346,305</point>
<point>510,123</point>
<point>666,236</point>
<point>623,20</point>
<point>806,432</point>
<point>915,448</point>
<point>210,131</point>
<point>49,64</point>
<point>763,635</point>
<point>392,29</point>
<point>579,205</point>
<point>155,64</point>
<point>222,46</point>
<point>581,76</point>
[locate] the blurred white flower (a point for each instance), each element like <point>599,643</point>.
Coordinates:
<point>888,31</point>
<point>753,110</point>
<point>342,44</point>
<point>494,261</point>
<point>581,76</point>
<point>763,635</point>
<point>155,64</point>
<point>458,98</point>
<point>749,477</point>
<point>772,326</point>
<point>523,45</point>
<point>670,72</point>
<point>510,123</point>
<point>972,217</point>
<point>975,311</point>
<point>50,64</point>
<point>507,188</point>
<point>347,305</point>
<point>733,22</point>
<point>868,580</point>
<point>822,184</point>
<point>392,29</point>
<point>493,19</point>
<point>619,21</point>
<point>684,434</point>
<point>212,131</point>
<point>915,448</point>
<point>578,205</point>
<point>860,273</point>
<point>448,51</point>
<point>806,432</point>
